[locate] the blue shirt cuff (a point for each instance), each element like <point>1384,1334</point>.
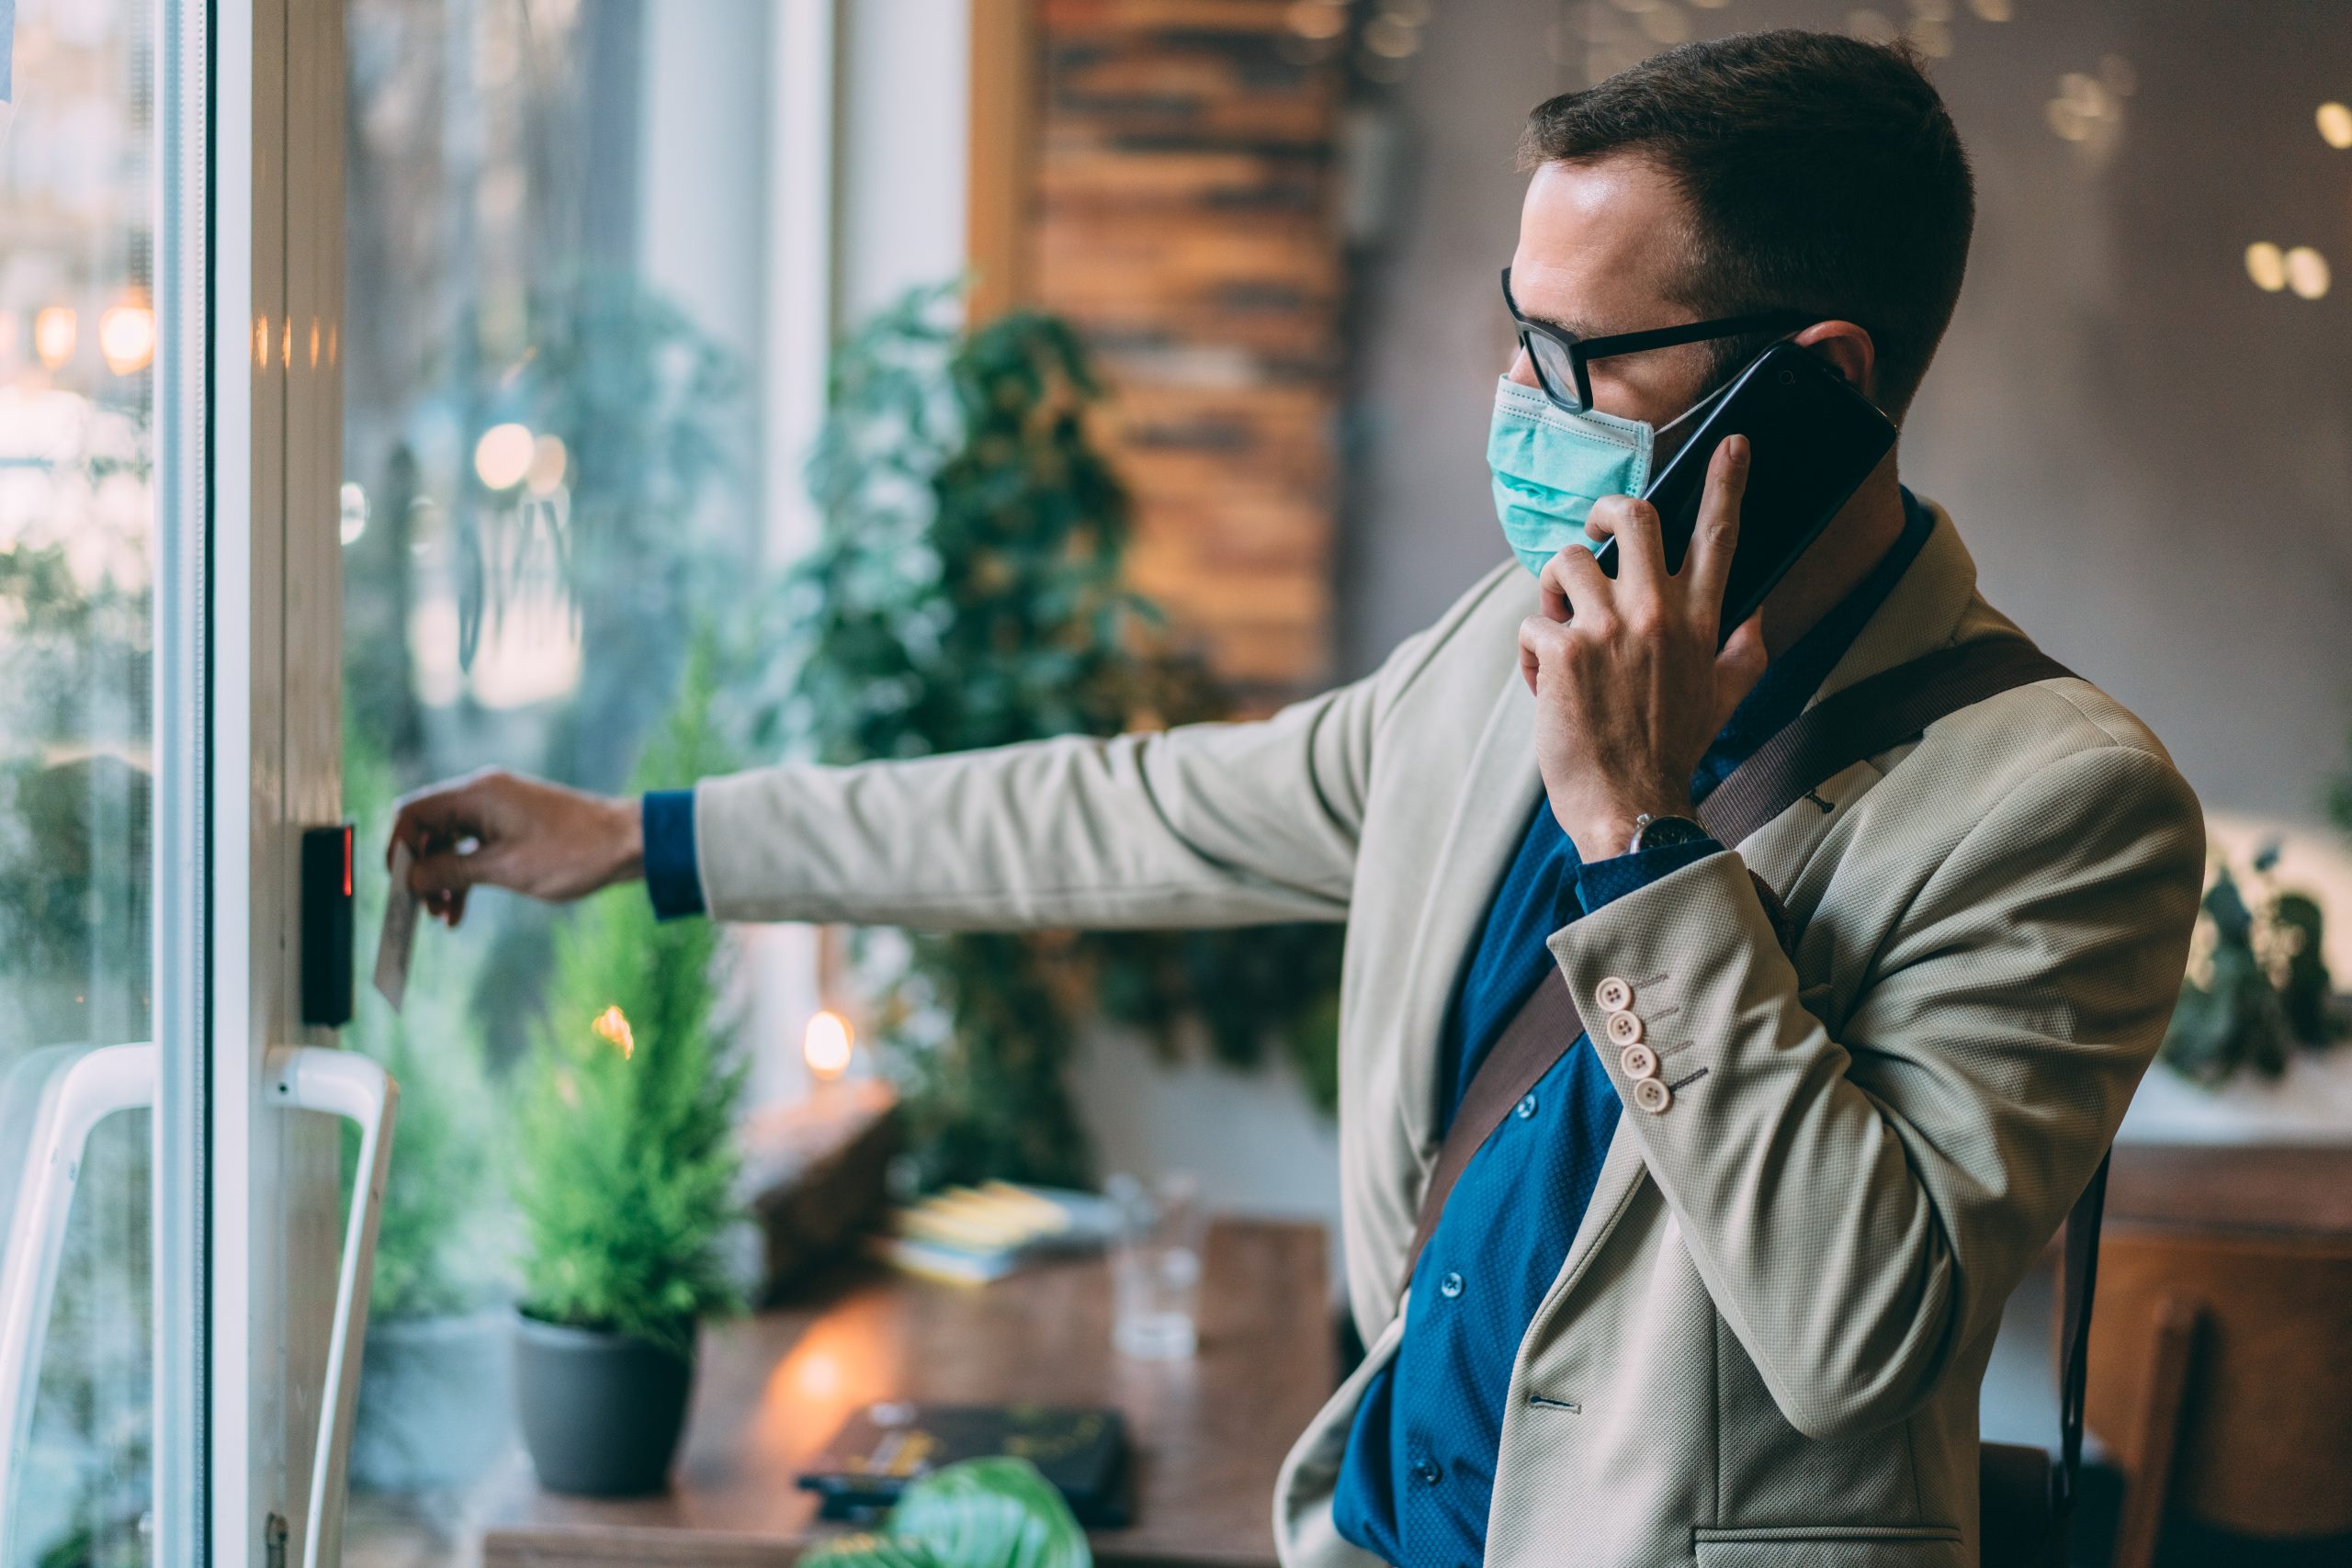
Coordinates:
<point>1605,881</point>
<point>672,880</point>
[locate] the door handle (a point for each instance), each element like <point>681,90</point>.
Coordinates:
<point>50,1102</point>
<point>345,1084</point>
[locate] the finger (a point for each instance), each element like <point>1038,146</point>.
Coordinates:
<point>1540,642</point>
<point>1738,667</point>
<point>1574,588</point>
<point>434,818</point>
<point>1640,542</point>
<point>450,872</point>
<point>1716,539</point>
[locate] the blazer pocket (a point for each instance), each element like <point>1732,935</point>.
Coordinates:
<point>1832,1546</point>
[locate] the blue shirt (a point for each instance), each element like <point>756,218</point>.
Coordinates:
<point>1418,1477</point>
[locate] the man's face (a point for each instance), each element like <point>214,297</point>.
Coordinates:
<point>1598,245</point>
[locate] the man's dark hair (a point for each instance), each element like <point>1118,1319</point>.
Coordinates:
<point>1823,173</point>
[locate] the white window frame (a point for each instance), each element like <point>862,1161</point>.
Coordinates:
<point>272,638</point>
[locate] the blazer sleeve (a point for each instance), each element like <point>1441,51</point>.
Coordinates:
<point>1204,825</point>
<point>1861,1207</point>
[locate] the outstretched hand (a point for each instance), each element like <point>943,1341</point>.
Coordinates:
<point>1630,688</point>
<point>502,829</point>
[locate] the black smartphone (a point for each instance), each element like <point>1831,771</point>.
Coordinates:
<point>1813,439</point>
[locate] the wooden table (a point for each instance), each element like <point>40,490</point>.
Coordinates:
<point>1209,1432</point>
<point>2270,1187</point>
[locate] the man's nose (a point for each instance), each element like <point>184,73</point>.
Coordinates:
<point>1522,369</point>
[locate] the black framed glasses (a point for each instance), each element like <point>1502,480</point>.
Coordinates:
<point>1560,357</point>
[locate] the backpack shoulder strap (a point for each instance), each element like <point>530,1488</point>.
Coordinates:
<point>1867,718</point>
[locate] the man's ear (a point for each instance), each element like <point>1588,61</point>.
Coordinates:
<point>1846,348</point>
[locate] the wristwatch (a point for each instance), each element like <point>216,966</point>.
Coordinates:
<point>1660,832</point>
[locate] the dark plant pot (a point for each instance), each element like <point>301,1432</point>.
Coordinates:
<point>601,1412</point>
<point>433,1401</point>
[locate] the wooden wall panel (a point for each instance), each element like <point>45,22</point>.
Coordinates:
<point>1183,220</point>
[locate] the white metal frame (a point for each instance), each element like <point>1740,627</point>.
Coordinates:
<point>274,633</point>
<point>178,1164</point>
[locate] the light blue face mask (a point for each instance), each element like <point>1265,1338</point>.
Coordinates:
<point>1550,466</point>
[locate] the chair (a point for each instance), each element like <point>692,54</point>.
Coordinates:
<point>2220,1379</point>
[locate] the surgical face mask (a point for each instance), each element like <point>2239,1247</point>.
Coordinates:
<point>1550,466</point>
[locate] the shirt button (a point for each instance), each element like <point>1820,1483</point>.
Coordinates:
<point>1639,1062</point>
<point>1652,1095</point>
<point>1624,1029</point>
<point>1526,1106</point>
<point>1426,1472</point>
<point>1450,1286</point>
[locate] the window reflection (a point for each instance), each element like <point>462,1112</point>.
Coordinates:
<point>77,340</point>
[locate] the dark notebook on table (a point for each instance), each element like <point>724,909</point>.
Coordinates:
<point>881,1447</point>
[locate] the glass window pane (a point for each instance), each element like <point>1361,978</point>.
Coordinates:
<point>77,342</point>
<point>554,295</point>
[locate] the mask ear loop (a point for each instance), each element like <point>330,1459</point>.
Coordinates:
<point>1728,383</point>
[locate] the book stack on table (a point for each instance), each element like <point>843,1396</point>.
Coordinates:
<point>969,1236</point>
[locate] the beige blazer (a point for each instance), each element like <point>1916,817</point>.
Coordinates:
<point>1764,1346</point>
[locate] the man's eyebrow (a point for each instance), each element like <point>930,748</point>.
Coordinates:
<point>1576,328</point>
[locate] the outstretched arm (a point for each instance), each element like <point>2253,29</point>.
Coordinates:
<point>1212,824</point>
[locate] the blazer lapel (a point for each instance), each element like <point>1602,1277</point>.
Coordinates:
<point>1928,608</point>
<point>1498,792</point>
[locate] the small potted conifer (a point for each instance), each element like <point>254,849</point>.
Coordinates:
<point>626,1185</point>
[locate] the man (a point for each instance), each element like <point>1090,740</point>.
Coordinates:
<point>1729,1303</point>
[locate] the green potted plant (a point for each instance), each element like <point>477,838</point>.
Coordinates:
<point>2258,989</point>
<point>624,1183</point>
<point>967,590</point>
<point>982,1513</point>
<point>439,1350</point>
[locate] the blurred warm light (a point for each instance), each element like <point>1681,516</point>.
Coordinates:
<point>2267,266</point>
<point>2335,125</point>
<point>55,331</point>
<point>826,1046</point>
<point>1992,10</point>
<point>1870,27</point>
<point>2306,272</point>
<point>817,1374</point>
<point>502,456</point>
<point>354,509</point>
<point>1318,18</point>
<point>1390,37</point>
<point>126,338</point>
<point>612,1024</point>
<point>1664,24</point>
<point>547,462</point>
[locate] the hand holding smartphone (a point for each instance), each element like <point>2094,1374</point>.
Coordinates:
<point>1813,440</point>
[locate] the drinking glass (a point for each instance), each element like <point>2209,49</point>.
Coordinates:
<point>1156,1267</point>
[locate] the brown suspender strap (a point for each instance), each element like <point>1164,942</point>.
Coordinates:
<point>1871,715</point>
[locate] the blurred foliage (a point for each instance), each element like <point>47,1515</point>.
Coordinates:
<point>626,1161</point>
<point>438,1241</point>
<point>982,1513</point>
<point>966,592</point>
<point>2258,989</point>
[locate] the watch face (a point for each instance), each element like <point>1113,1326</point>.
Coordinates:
<point>1661,832</point>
